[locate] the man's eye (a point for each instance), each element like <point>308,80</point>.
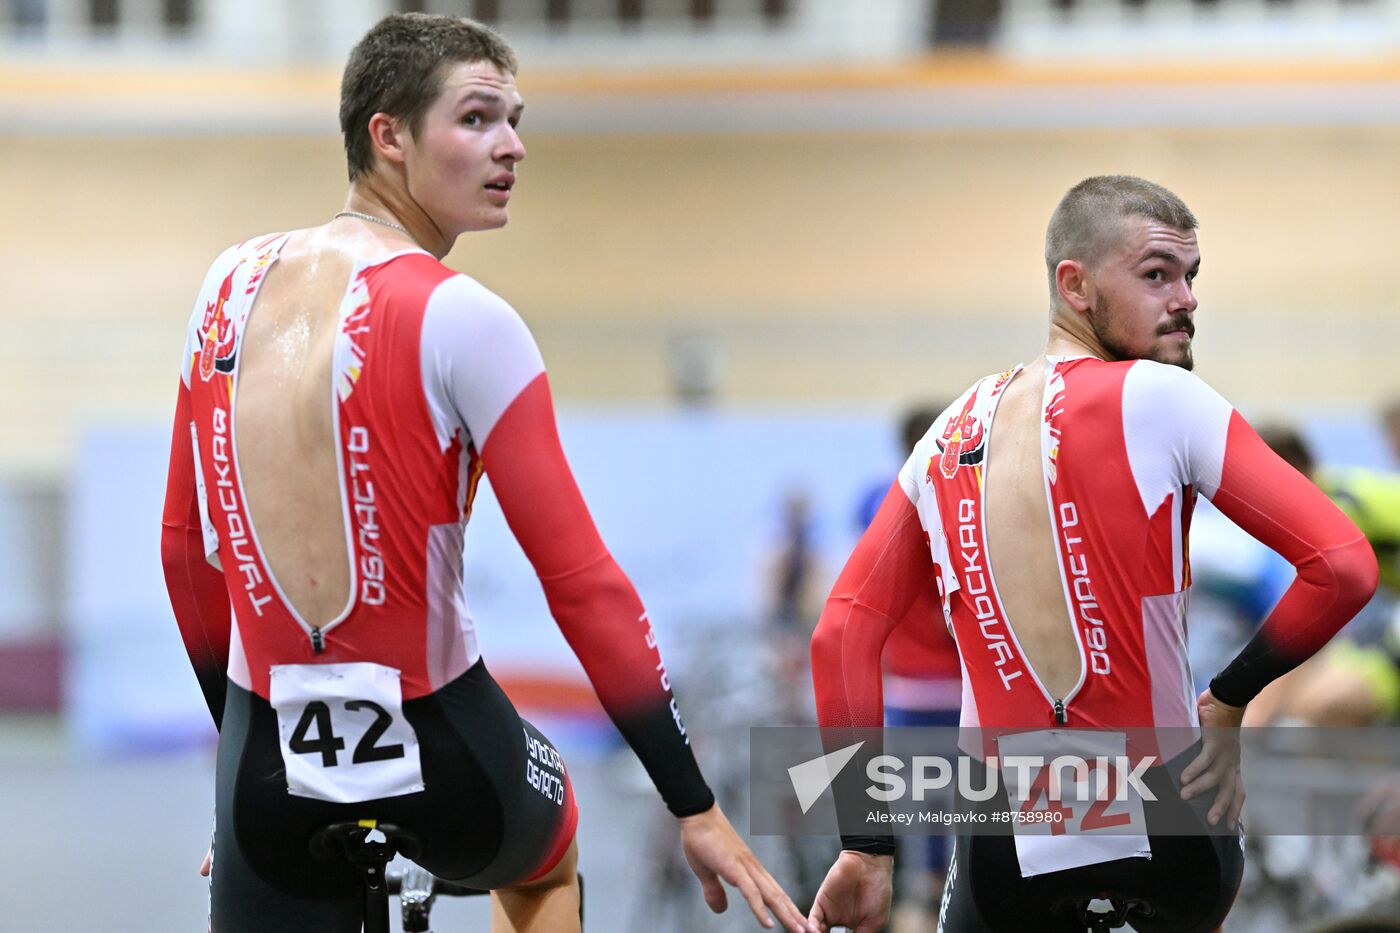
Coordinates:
<point>1155,275</point>
<point>472,119</point>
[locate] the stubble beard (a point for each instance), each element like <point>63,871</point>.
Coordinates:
<point>1101,322</point>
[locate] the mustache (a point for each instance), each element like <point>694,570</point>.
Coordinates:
<point>1178,322</point>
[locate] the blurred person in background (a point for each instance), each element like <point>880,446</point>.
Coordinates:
<point>1390,423</point>
<point>793,580</point>
<point>923,687</point>
<point>1235,581</point>
<point>325,455</point>
<point>1356,681</point>
<point>1100,448</point>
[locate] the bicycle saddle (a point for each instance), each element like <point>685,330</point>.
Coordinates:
<point>351,842</point>
<point>1096,919</point>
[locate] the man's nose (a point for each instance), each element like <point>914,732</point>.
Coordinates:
<point>512,149</point>
<point>1185,298</point>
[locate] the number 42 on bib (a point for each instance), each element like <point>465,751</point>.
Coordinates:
<point>343,734</point>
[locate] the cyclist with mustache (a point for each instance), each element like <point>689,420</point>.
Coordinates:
<point>1046,513</point>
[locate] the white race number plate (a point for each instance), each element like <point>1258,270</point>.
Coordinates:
<point>343,733</point>
<point>1079,807</point>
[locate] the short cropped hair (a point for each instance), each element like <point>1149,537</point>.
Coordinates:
<point>1088,218</point>
<point>397,68</point>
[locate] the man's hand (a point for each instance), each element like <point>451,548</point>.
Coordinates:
<point>856,893</point>
<point>1218,764</point>
<point>714,851</point>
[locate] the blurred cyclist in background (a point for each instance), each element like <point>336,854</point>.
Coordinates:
<point>1390,422</point>
<point>1356,681</point>
<point>342,393</point>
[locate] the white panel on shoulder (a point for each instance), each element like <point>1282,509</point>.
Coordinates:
<point>911,474</point>
<point>1174,426</point>
<point>477,355</point>
<point>208,293</point>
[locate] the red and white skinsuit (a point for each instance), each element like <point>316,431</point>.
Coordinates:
<point>1126,448</point>
<point>436,380</point>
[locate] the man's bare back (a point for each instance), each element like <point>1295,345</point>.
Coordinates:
<point>284,418</point>
<point>1021,549</point>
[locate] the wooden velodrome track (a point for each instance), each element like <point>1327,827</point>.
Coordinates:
<point>842,236</point>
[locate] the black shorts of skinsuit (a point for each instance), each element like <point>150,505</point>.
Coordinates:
<point>480,820</point>
<point>1190,881</point>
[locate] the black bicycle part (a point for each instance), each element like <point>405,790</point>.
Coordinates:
<point>351,842</point>
<point>1096,921</point>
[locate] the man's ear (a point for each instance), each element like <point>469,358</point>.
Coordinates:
<point>1073,284</point>
<point>387,137</point>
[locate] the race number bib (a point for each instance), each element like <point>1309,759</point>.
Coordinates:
<point>343,734</point>
<point>1081,805</point>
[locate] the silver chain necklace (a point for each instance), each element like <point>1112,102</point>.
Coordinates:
<point>374,220</point>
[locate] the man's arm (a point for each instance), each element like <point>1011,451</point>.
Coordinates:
<point>1181,432</point>
<point>490,368</point>
<point>197,590</point>
<point>591,599</point>
<point>887,579</point>
<point>1336,568</point>
<point>483,366</point>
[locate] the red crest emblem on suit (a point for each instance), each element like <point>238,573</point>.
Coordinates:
<point>216,350</point>
<point>963,442</point>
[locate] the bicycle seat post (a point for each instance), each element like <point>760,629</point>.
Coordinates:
<point>376,895</point>
<point>351,842</point>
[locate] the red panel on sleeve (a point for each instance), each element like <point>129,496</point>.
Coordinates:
<point>592,601</point>
<point>197,591</point>
<point>590,597</point>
